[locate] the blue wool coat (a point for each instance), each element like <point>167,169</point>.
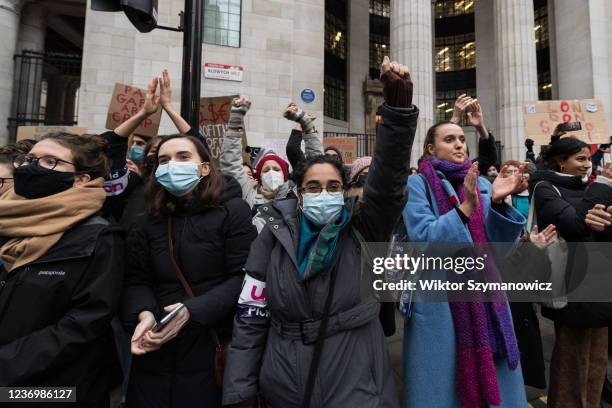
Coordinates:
<point>429,334</point>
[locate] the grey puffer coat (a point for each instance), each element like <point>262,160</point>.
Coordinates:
<point>278,315</point>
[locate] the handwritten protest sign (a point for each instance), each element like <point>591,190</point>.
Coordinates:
<point>127,100</point>
<point>347,145</point>
<point>36,132</point>
<point>542,117</point>
<point>214,118</point>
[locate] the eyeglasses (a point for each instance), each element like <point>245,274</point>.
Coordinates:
<point>47,162</point>
<point>333,187</point>
<point>4,179</point>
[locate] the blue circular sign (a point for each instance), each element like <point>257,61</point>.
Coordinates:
<point>308,95</point>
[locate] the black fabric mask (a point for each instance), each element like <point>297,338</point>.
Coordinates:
<point>32,181</point>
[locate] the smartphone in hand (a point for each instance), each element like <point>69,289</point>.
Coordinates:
<point>166,319</point>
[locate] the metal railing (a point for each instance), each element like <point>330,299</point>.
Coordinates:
<point>45,90</point>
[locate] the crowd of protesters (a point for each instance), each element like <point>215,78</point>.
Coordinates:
<point>257,264</point>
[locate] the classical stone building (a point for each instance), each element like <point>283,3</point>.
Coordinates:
<point>59,60</point>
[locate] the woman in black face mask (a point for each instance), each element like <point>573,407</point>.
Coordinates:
<point>62,272</point>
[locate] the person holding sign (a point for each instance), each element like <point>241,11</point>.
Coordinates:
<point>291,345</point>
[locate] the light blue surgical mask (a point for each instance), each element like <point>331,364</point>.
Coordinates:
<point>136,153</point>
<point>322,208</point>
<point>178,178</point>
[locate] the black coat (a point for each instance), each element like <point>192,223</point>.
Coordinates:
<point>55,315</point>
<point>567,213</point>
<point>599,192</point>
<point>211,246</point>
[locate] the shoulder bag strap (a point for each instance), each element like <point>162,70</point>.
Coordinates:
<point>182,280</point>
<point>318,348</point>
<point>177,269</point>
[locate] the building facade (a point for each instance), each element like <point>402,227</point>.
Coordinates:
<point>59,59</point>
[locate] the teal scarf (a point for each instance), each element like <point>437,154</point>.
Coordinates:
<point>316,246</point>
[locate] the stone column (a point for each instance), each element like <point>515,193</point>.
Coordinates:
<point>412,45</point>
<point>485,64</point>
<point>517,79</point>
<point>9,27</point>
<point>583,59</point>
<point>359,62</point>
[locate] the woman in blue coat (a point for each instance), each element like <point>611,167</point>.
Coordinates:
<point>449,359</point>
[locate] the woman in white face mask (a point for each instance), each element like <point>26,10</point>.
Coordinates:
<point>318,341</point>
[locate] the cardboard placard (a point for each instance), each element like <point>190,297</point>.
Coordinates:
<point>214,118</point>
<point>127,100</point>
<point>542,117</point>
<point>36,132</point>
<point>347,145</point>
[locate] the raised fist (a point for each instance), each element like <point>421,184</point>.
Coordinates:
<point>397,84</point>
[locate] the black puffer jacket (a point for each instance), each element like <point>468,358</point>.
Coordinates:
<point>55,315</point>
<point>211,246</point>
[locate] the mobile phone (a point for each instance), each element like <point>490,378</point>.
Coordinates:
<point>570,126</point>
<point>166,319</point>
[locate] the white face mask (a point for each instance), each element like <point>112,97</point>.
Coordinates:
<point>273,180</point>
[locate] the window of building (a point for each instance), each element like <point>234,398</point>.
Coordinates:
<point>335,98</point>
<point>379,47</point>
<point>222,22</point>
<point>335,36</point>
<point>541,27</point>
<point>445,100</point>
<point>336,51</point>
<point>455,53</point>
<point>380,8</point>
<point>451,8</point>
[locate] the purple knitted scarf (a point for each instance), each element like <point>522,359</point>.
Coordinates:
<point>483,330</point>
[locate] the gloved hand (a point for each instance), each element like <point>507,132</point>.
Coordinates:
<point>240,107</point>
<point>397,84</point>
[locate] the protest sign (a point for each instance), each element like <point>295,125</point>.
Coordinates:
<point>347,145</point>
<point>542,117</point>
<point>214,118</point>
<point>127,100</point>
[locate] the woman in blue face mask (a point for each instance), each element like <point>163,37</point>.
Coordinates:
<point>188,249</point>
<point>303,279</point>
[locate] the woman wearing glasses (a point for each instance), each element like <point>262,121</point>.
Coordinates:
<point>62,273</point>
<point>303,280</point>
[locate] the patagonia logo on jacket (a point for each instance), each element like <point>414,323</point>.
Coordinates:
<point>252,302</point>
<point>51,273</point>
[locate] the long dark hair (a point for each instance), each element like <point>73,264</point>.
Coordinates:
<point>88,152</point>
<point>208,193</point>
<point>560,150</point>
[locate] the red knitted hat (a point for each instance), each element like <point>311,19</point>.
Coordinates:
<point>282,163</point>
